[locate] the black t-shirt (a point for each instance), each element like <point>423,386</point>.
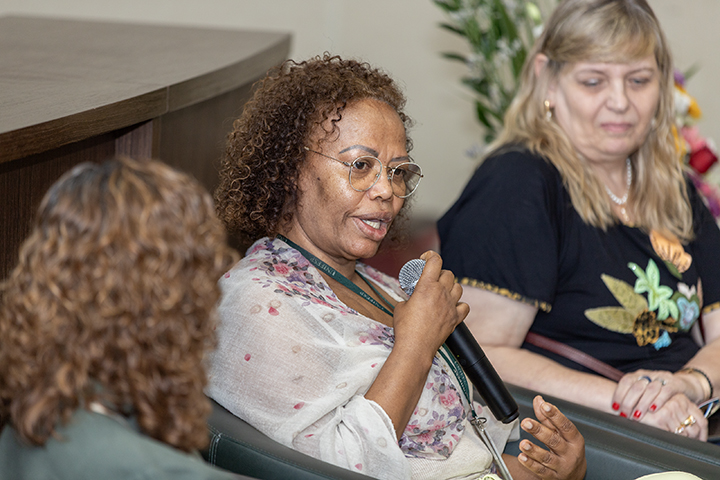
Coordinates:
<point>515,232</point>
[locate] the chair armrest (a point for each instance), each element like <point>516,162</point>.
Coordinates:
<point>618,448</point>
<point>238,447</point>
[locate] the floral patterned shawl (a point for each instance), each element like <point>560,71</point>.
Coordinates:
<point>295,362</point>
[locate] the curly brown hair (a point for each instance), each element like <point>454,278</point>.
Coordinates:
<point>258,189</point>
<point>112,301</point>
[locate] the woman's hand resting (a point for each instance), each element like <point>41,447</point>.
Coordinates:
<point>661,399</point>
<point>432,312</point>
<point>565,457</point>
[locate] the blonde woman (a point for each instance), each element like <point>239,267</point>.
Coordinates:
<point>579,229</point>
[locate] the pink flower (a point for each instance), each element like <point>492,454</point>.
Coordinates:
<point>693,138</point>
<point>426,437</point>
<point>281,268</point>
<point>449,398</point>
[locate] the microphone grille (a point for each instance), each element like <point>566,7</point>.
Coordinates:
<point>409,275</point>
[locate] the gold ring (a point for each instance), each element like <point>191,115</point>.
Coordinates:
<point>690,420</point>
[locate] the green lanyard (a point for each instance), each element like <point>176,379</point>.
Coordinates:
<point>457,371</point>
<point>444,351</point>
<point>339,277</point>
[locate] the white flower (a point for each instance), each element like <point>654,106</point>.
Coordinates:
<point>685,290</point>
<point>538,30</point>
<point>682,102</point>
<point>504,48</point>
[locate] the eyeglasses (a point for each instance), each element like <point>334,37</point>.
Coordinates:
<point>365,172</point>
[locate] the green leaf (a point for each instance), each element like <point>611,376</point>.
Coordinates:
<point>453,29</point>
<point>449,5</point>
<point>653,274</point>
<point>642,284</point>
<point>454,56</point>
<point>673,270</point>
<point>613,318</point>
<point>691,71</point>
<point>625,295</point>
<point>659,299</point>
<point>518,61</point>
<point>505,24</point>
<point>482,114</point>
<point>480,85</point>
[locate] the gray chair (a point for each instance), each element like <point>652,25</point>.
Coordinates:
<point>237,446</point>
<point>619,449</point>
<point>616,448</point>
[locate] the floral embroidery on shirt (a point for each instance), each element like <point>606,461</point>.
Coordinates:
<point>659,296</point>
<point>649,320</point>
<point>377,334</point>
<point>436,425</point>
<point>286,271</point>
<point>433,434</point>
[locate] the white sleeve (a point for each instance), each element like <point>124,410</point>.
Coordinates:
<point>297,369</point>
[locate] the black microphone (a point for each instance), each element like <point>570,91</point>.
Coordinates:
<point>470,356</point>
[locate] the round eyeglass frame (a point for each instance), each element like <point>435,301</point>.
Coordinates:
<point>391,172</point>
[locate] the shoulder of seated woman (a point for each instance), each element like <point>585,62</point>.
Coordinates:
<point>518,168</point>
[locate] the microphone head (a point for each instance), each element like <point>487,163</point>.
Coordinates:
<point>409,275</point>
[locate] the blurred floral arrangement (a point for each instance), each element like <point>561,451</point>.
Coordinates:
<point>698,153</point>
<point>500,33</point>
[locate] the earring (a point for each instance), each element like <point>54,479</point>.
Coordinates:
<point>548,111</point>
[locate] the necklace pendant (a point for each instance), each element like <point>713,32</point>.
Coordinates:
<point>620,202</point>
<point>624,215</point>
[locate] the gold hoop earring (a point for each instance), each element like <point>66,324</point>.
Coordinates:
<point>548,110</point>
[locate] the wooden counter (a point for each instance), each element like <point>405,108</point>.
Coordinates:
<point>73,91</point>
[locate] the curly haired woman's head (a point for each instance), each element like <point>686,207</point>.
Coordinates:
<point>265,150</point>
<point>112,301</point>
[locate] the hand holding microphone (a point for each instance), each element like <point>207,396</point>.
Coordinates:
<point>470,356</point>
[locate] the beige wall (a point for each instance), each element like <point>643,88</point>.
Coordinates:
<point>402,37</point>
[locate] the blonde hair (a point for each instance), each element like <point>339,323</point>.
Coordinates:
<point>604,31</point>
<point>112,301</point>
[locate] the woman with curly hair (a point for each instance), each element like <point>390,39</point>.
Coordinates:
<point>316,349</point>
<point>104,325</point>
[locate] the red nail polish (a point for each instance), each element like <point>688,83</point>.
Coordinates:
<point>653,407</point>
<point>637,414</point>
<point>623,414</point>
<point>616,406</point>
